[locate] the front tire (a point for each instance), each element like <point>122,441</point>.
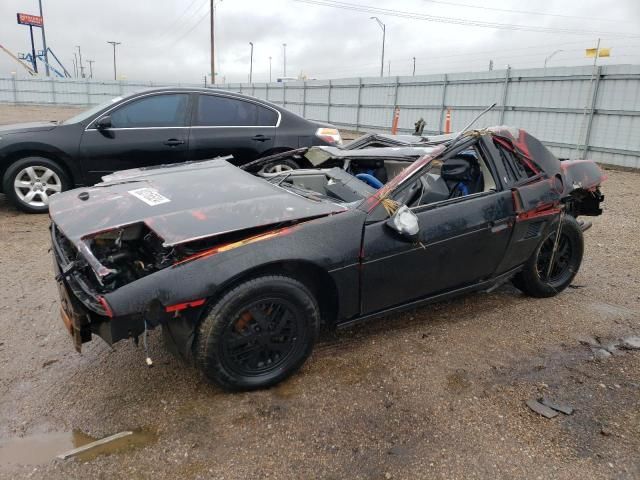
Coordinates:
<point>538,279</point>
<point>30,182</point>
<point>257,334</point>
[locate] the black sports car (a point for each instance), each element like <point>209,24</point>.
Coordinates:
<point>153,127</point>
<point>240,267</point>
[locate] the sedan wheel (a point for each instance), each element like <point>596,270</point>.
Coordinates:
<point>34,184</point>
<point>30,182</point>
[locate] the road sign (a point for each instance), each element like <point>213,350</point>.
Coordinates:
<point>31,20</point>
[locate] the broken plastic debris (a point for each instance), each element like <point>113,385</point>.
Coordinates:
<point>630,343</point>
<point>541,409</point>
<point>97,443</point>
<point>559,407</point>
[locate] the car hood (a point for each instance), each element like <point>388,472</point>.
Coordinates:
<point>182,203</point>
<point>28,127</point>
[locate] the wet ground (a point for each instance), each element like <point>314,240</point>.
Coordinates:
<point>439,392</point>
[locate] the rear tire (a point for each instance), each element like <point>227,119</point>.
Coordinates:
<point>534,280</point>
<point>281,165</point>
<point>257,334</point>
<point>30,181</point>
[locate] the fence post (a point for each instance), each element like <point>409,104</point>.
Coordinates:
<point>329,103</point>
<point>443,103</point>
<point>594,99</point>
<point>505,90</point>
<point>53,90</point>
<point>304,99</point>
<point>15,89</point>
<point>358,105</point>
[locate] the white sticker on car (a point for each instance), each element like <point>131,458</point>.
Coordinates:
<point>150,196</point>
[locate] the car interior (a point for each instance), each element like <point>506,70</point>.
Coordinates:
<point>463,174</point>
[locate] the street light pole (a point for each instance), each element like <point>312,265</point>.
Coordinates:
<point>90,62</point>
<point>251,64</point>
<point>270,58</point>
<point>115,71</point>
<point>284,70</point>
<point>550,57</point>
<point>384,35</point>
<point>44,42</point>
<point>414,66</point>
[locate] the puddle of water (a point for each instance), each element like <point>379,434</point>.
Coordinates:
<point>42,448</point>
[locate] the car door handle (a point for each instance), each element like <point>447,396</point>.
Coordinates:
<point>260,138</point>
<point>499,225</point>
<point>173,142</point>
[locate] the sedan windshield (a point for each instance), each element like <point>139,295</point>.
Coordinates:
<point>90,112</point>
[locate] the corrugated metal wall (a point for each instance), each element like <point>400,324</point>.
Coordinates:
<point>576,111</point>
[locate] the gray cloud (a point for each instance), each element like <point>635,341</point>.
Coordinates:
<point>322,42</point>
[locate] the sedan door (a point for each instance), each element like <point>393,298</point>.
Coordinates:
<point>145,131</point>
<point>226,125</point>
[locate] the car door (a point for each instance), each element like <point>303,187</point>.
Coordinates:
<point>225,125</point>
<point>145,131</point>
<point>461,242</point>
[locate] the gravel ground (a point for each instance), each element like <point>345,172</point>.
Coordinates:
<point>435,393</point>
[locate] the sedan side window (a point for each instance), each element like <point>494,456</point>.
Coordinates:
<point>217,111</point>
<point>152,111</point>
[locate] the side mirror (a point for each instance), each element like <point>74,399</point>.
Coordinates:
<point>103,123</point>
<point>405,223</point>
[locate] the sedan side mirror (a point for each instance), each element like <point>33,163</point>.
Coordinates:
<point>405,223</point>
<point>103,123</point>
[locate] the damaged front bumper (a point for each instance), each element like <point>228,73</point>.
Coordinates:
<point>83,311</point>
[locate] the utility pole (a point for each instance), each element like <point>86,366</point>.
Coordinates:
<point>414,66</point>
<point>90,62</point>
<point>284,70</point>
<point>251,64</point>
<point>389,71</point>
<point>384,35</point>
<point>212,9</point>
<point>490,65</point>
<point>115,71</point>
<point>44,42</point>
<point>270,58</point>
<point>75,64</point>
<point>81,65</point>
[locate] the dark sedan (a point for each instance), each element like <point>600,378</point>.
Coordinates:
<point>241,275</point>
<point>150,128</point>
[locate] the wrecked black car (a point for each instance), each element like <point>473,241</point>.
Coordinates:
<point>240,267</point>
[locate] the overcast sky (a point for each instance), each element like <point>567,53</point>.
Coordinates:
<point>168,40</point>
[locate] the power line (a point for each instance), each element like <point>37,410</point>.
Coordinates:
<point>199,14</point>
<point>524,12</point>
<point>457,21</point>
<point>182,18</point>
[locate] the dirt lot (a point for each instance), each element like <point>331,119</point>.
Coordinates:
<point>435,393</point>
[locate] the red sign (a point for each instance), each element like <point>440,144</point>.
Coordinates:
<point>33,20</point>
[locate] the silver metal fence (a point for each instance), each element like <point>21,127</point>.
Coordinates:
<point>576,111</point>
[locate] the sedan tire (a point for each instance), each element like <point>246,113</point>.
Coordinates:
<point>30,182</point>
<point>538,278</point>
<point>258,333</point>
